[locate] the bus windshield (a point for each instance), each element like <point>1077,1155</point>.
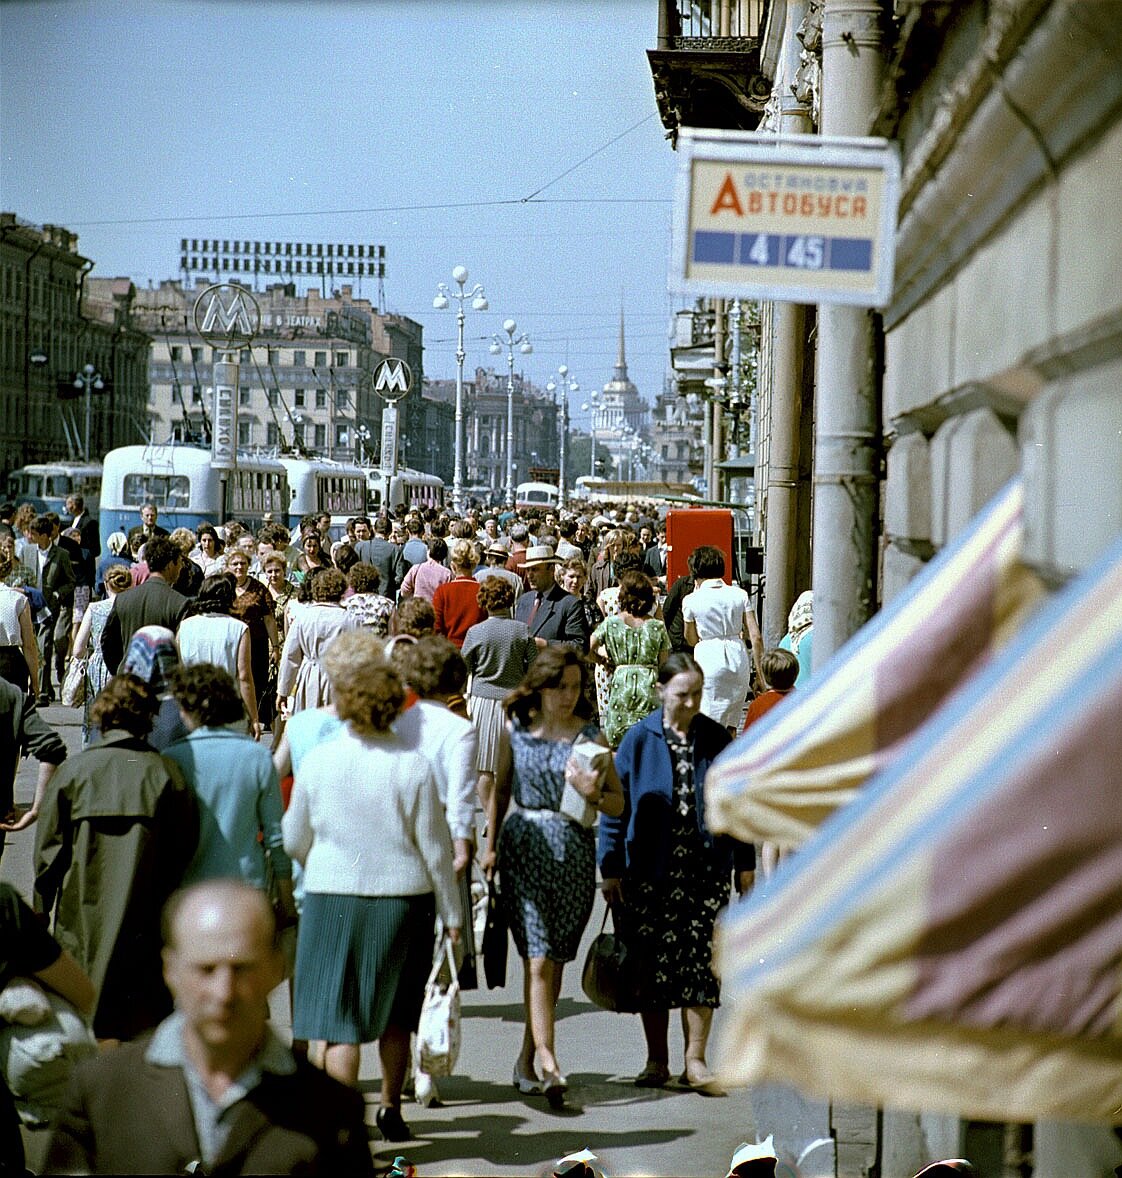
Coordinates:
<point>171,491</point>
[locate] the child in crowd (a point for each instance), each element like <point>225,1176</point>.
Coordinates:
<point>780,669</point>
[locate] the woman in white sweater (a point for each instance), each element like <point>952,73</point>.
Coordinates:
<point>366,822</point>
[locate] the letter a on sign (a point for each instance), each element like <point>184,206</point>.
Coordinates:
<point>393,378</point>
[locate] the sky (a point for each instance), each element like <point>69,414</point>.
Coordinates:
<point>454,134</point>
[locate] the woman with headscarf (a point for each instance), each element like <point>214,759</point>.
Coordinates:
<point>152,656</point>
<point>118,546</point>
<point>800,634</point>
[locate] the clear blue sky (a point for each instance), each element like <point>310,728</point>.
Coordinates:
<point>335,122</point>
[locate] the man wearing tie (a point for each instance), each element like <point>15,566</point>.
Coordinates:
<point>148,515</point>
<point>54,578</point>
<point>555,618</point>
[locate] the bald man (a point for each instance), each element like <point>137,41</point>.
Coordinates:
<point>213,1090</point>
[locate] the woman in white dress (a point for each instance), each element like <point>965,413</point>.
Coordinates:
<point>311,631</point>
<point>719,624</point>
<point>211,635</point>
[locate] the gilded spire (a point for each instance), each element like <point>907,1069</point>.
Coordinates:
<point>621,362</point>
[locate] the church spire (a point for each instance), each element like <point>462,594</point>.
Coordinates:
<point>621,362</point>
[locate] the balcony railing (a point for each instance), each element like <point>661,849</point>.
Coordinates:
<point>709,20</point>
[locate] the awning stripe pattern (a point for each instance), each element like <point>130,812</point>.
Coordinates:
<point>812,754</point>
<point>953,939</point>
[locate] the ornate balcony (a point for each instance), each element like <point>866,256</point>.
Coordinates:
<point>706,68</point>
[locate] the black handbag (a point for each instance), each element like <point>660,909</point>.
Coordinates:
<point>495,939</point>
<point>610,978</point>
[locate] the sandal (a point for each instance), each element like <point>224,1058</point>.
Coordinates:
<point>653,1075</point>
<point>703,1081</point>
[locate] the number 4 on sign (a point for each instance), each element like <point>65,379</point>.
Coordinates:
<point>806,253</point>
<point>758,252</point>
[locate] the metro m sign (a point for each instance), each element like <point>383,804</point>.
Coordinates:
<point>802,219</point>
<point>227,316</point>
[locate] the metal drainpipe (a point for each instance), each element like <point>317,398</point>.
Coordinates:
<point>847,429</point>
<point>716,443</point>
<point>788,350</point>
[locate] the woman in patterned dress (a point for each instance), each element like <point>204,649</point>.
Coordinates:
<point>372,610</point>
<point>634,646</point>
<point>607,602</point>
<point>665,875</point>
<point>87,643</point>
<point>547,861</point>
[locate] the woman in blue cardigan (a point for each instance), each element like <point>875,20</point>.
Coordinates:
<point>666,876</point>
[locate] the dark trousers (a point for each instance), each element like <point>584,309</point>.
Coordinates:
<point>54,646</point>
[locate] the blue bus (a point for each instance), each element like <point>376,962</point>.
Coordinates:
<point>47,485</point>
<point>180,481</point>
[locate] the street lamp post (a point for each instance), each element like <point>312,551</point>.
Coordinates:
<point>592,407</point>
<point>441,303</point>
<point>567,386</point>
<point>362,436</point>
<point>89,380</point>
<point>524,346</point>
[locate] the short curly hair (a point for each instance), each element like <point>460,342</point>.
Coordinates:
<point>184,539</point>
<point>328,585</point>
<point>208,694</point>
<point>364,577</point>
<point>416,616</point>
<point>432,666</point>
<point>636,594</point>
<point>495,594</point>
<point>126,703</point>
<point>369,693</point>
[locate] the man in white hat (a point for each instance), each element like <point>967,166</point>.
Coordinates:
<point>496,557</point>
<point>555,618</point>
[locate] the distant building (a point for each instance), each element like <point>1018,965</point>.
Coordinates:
<point>676,439</point>
<point>536,441</point>
<point>305,383</point>
<point>54,320</point>
<point>619,413</point>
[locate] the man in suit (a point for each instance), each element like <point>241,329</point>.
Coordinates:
<point>213,1090</point>
<point>555,618</point>
<point>153,603</point>
<point>54,578</point>
<point>148,515</point>
<point>384,556</point>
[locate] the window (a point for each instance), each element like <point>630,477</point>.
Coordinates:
<point>341,398</point>
<point>321,436</point>
<point>246,356</point>
<point>273,396</point>
<point>321,398</point>
<point>272,434</point>
<point>298,398</point>
<point>274,355</point>
<point>321,359</point>
<point>176,352</point>
<point>243,395</point>
<point>196,353</point>
<point>341,438</point>
<point>196,394</point>
<point>298,359</point>
<point>244,428</point>
<point>342,359</point>
<point>162,490</point>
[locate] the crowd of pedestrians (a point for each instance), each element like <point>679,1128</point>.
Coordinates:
<point>327,731</point>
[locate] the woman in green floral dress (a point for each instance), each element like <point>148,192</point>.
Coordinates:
<point>635,645</point>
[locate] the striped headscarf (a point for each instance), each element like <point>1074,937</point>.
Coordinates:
<point>152,655</point>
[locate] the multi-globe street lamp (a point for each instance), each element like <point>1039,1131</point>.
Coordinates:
<point>568,385</point>
<point>592,407</point>
<point>522,342</point>
<point>90,381</point>
<point>441,303</point>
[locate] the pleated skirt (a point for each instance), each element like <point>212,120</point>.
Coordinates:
<point>488,717</point>
<point>361,965</point>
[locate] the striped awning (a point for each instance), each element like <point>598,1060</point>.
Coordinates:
<point>952,940</point>
<point>812,753</point>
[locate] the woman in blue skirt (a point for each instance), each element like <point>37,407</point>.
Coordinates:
<point>366,822</point>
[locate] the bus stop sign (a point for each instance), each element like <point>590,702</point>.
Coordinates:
<point>801,219</point>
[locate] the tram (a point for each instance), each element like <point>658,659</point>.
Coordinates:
<point>407,488</point>
<point>180,481</point>
<point>47,485</point>
<point>535,495</point>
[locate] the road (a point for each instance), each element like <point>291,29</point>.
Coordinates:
<point>483,1127</point>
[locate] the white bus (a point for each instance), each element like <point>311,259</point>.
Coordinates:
<point>180,481</point>
<point>46,485</point>
<point>321,484</point>
<point>535,495</point>
<point>408,488</point>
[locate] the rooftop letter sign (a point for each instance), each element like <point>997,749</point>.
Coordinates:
<point>801,219</point>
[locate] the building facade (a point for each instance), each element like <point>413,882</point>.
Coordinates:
<point>54,320</point>
<point>306,382</point>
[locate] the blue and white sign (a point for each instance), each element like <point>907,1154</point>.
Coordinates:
<point>801,219</point>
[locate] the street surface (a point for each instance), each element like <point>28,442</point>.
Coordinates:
<point>483,1127</point>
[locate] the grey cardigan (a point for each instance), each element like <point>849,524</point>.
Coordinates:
<point>498,653</point>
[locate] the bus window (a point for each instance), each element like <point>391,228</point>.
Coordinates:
<point>162,490</point>
<point>59,485</point>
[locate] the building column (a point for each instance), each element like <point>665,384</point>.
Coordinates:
<point>847,427</point>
